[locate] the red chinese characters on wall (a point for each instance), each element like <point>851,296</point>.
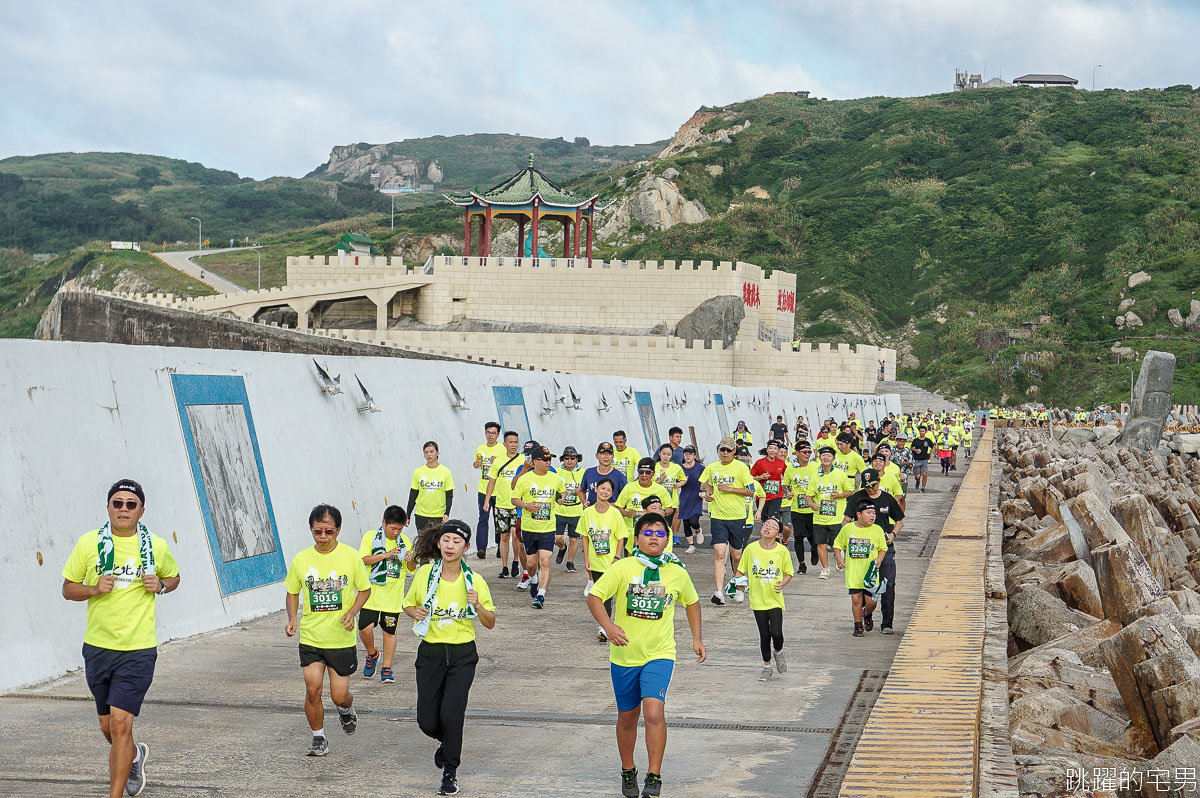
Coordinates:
<point>787,301</point>
<point>750,294</point>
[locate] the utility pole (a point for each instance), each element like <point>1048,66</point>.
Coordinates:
<point>259,253</point>
<point>1097,66</point>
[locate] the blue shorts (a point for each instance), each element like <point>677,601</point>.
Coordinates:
<point>118,678</point>
<point>731,531</point>
<point>651,680</point>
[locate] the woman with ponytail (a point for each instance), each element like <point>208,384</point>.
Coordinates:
<point>445,599</point>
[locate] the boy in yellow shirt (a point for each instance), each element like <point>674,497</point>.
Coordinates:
<point>388,555</point>
<point>858,546</point>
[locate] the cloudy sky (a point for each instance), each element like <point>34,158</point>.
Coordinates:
<point>267,87</point>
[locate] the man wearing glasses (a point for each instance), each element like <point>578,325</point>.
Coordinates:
<point>725,486</point>
<point>118,570</point>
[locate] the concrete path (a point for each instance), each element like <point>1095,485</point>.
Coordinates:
<point>183,261</point>
<point>224,716</point>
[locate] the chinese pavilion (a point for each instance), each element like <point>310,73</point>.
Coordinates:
<point>528,198</point>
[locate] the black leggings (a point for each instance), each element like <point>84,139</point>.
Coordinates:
<point>691,526</point>
<point>444,675</point>
<point>608,605</point>
<point>770,630</point>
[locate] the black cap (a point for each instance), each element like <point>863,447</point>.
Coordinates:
<point>742,451</point>
<point>689,448</point>
<point>530,446</point>
<point>540,453</point>
<point>802,444</point>
<point>604,446</point>
<point>127,485</point>
<point>870,477</point>
<point>646,462</point>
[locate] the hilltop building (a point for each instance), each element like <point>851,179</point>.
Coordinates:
<point>1036,79</point>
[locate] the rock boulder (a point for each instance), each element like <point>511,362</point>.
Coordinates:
<point>715,319</point>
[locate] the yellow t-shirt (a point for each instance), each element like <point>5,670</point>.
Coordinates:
<point>432,484</point>
<point>450,623</point>
<point>532,488</point>
<point>603,533</point>
<point>568,504</point>
<point>727,506</point>
<point>388,597</point>
<point>860,545</point>
<point>626,462</point>
<point>631,499</point>
<point>328,586</point>
<point>752,502</point>
<point>890,484</point>
<point>122,620</point>
<point>670,478</point>
<point>503,474</point>
<point>851,462</point>
<point>822,488</point>
<point>763,569</point>
<point>487,455</point>
<point>798,479</point>
<point>645,612</point>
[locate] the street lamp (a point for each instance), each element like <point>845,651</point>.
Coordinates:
<point>1097,66</point>
<point>199,236</point>
<point>258,252</point>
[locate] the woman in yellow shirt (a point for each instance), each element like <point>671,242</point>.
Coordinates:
<point>445,598</point>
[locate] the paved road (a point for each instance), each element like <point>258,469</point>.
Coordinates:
<point>184,263</point>
<point>224,716</point>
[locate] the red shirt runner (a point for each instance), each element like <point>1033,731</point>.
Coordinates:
<point>773,485</point>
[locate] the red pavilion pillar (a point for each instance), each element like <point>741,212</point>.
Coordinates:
<point>487,232</point>
<point>466,232</point>
<point>578,214</point>
<point>533,250</point>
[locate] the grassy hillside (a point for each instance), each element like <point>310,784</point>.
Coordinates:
<point>923,222</point>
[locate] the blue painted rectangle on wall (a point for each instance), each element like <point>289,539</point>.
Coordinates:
<point>510,404</point>
<point>231,485</point>
<point>649,425</point>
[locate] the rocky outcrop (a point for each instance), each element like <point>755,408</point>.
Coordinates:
<point>691,134</point>
<point>356,163</point>
<point>1137,278</point>
<point>655,202</point>
<point>1151,401</point>
<point>715,319</point>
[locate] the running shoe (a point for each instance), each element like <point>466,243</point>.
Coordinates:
<point>533,587</point>
<point>765,676</point>
<point>349,721</point>
<point>482,554</point>
<point>137,772</point>
<point>780,662</point>
<point>739,596</point>
<point>718,599</point>
<point>562,555</point>
<point>629,787</point>
<point>803,567</point>
<point>814,559</point>
<point>438,761</point>
<point>858,630</point>
<point>449,783</point>
<point>699,538</point>
<point>386,677</point>
<point>369,665</point>
<point>571,568</point>
<point>539,602</point>
<point>516,569</point>
<point>320,747</point>
<point>824,574</point>
<point>524,583</point>
<point>868,622</point>
<point>504,573</point>
<point>690,549</point>
<point>887,630</point>
<point>653,786</point>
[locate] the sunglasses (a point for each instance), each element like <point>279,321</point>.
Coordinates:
<point>117,504</point>
<point>323,532</point>
<point>645,470</point>
<point>656,533</point>
<point>724,450</point>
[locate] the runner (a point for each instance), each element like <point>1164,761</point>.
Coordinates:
<point>603,529</point>
<point>690,505</point>
<point>922,448</point>
<point>886,472</point>
<point>445,598</point>
<point>796,480</point>
<point>767,566</point>
<point>675,436</point>
<point>486,454</point>
<point>736,589</point>
<point>431,492</point>
<point>827,492</point>
<point>670,475</point>
<point>567,508</point>
<point>629,502</point>
<point>847,459</point>
<point>889,516</point>
<point>945,448</point>
<point>725,485</point>
<point>801,429</point>
<point>323,579</point>
<point>779,432</point>
<point>603,469</point>
<point>742,436</point>
<point>119,570</point>
<point>536,493</point>
<point>625,457</point>
<point>641,637</point>
<point>768,471</point>
<point>858,545</point>
<point>500,487</point>
<point>902,458</point>
<point>388,554</point>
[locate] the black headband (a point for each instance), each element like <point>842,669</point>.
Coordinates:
<point>458,528</point>
<point>128,485</point>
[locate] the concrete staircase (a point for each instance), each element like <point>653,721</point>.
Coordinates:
<point>914,399</point>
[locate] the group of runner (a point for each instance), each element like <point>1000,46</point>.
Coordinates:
<point>841,489</point>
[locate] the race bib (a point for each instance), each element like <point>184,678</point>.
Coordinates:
<point>860,548</point>
<point>647,602</point>
<point>828,507</point>
<point>394,567</point>
<point>772,486</point>
<point>542,513</point>
<point>602,545</point>
<point>325,600</point>
<point>569,498</point>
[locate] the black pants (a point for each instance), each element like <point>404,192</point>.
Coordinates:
<point>770,631</point>
<point>887,569</point>
<point>802,530</point>
<point>444,675</point>
<point>608,605</point>
<point>690,527</point>
<point>425,521</point>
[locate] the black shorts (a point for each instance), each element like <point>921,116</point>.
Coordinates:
<point>772,508</point>
<point>425,521</point>
<point>387,620</point>
<point>343,661</point>
<point>853,590</point>
<point>825,534</point>
<point>802,524</point>
<point>118,678</point>
<point>566,525</point>
<point>538,541</point>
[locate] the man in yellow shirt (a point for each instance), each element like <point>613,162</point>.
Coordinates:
<point>795,481</point>
<point>827,492</point>
<point>568,508</point>
<point>118,570</point>
<point>847,459</point>
<point>536,493</point>
<point>646,586</point>
<point>725,486</point>
<point>486,454</point>
<point>431,493</point>
<point>629,503</point>
<point>329,581</point>
<point>625,457</point>
<point>500,487</point>
<point>388,555</point>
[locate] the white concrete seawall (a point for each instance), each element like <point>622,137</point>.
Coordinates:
<point>78,416</point>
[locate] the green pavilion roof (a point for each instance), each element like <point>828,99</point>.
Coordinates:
<point>520,189</point>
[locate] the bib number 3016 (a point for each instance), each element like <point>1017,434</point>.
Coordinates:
<point>325,600</point>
